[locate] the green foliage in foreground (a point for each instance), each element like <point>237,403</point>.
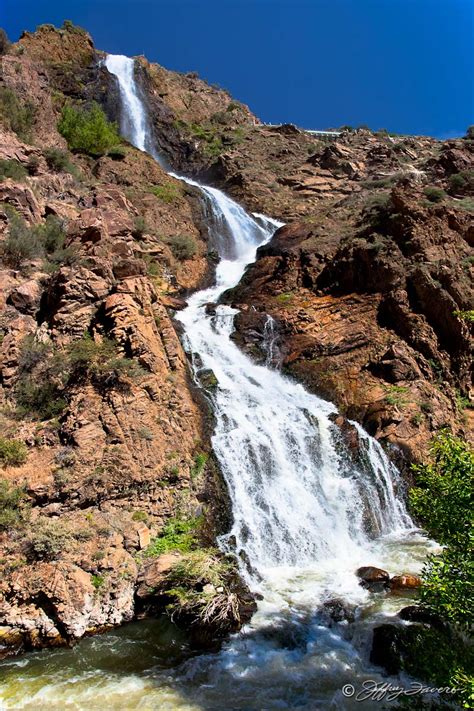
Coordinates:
<point>177,535</point>
<point>443,502</point>
<point>88,130</point>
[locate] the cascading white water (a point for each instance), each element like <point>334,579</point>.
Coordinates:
<point>306,512</point>
<point>134,121</point>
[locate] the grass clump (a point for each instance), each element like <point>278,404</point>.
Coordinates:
<point>16,115</point>
<point>396,395</point>
<point>199,465</point>
<point>13,453</point>
<point>182,246</point>
<point>177,535</point>
<point>168,192</point>
<point>12,169</point>
<point>201,585</point>
<point>13,507</point>
<point>88,130</point>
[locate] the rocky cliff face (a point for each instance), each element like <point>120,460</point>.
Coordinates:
<point>105,439</point>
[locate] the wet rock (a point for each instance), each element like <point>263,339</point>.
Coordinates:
<point>372,578</point>
<point>210,309</point>
<point>337,611</point>
<point>386,648</point>
<point>415,613</point>
<point>154,573</point>
<point>405,581</point>
<point>208,379</point>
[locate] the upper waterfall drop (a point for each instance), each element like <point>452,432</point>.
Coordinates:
<point>135,125</point>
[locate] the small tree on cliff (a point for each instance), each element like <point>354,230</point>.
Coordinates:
<point>88,130</point>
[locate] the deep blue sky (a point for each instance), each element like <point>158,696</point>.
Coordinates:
<point>404,65</point>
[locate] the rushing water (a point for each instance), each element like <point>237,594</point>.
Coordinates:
<point>306,514</point>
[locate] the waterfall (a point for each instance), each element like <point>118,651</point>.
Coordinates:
<point>306,510</point>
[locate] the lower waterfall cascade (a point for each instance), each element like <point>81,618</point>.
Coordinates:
<point>306,514</point>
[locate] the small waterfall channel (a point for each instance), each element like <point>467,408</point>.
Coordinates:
<point>306,514</point>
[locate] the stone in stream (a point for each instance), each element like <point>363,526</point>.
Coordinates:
<point>372,578</point>
<point>403,582</point>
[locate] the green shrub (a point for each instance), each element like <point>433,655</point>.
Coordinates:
<point>51,234</point>
<point>97,581</point>
<point>457,182</point>
<point>434,194</point>
<point>470,133</point>
<point>43,400</point>
<point>16,115</point>
<point>177,535</point>
<point>88,130</point>
<point>182,246</point>
<point>168,192</point>
<point>12,169</point>
<point>21,244</point>
<point>59,161</point>
<point>140,227</point>
<point>12,452</point>
<point>13,507</point>
<point>33,165</point>
<point>48,540</point>
<point>100,359</point>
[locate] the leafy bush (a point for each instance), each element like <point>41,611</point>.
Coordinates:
<point>177,535</point>
<point>12,169</point>
<point>434,194</point>
<point>443,497</point>
<point>12,452</point>
<point>88,130</point>
<point>13,508</point>
<point>182,246</point>
<point>16,115</point>
<point>48,540</point>
<point>443,502</point>
<point>470,133</point>
<point>168,192</point>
